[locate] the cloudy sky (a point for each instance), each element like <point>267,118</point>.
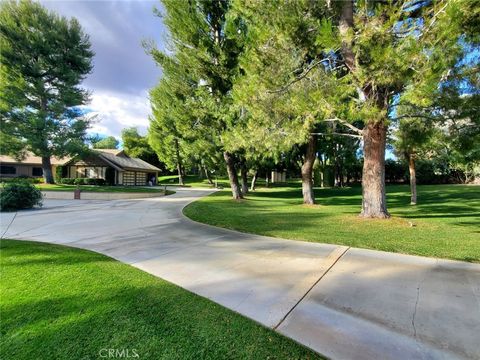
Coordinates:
<point>122,73</point>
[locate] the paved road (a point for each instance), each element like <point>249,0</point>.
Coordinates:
<point>345,303</point>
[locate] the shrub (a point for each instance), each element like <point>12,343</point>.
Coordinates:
<point>78,181</point>
<point>100,182</point>
<point>19,195</point>
<point>59,174</point>
<point>22,178</point>
<point>8,180</point>
<point>67,181</point>
<point>83,181</point>
<point>97,182</point>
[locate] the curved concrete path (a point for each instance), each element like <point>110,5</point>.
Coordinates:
<point>343,302</point>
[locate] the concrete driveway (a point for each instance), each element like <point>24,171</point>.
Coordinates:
<point>345,303</point>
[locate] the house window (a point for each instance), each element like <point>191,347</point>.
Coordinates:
<point>37,171</point>
<point>8,170</point>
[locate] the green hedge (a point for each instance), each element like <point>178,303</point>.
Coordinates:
<point>67,181</point>
<point>19,194</point>
<point>22,178</point>
<point>83,181</point>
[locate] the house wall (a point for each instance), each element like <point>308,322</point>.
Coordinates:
<point>22,170</point>
<point>94,172</point>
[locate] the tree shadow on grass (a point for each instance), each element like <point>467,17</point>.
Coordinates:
<point>20,252</point>
<point>118,307</point>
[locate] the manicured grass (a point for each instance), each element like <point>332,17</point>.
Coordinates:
<point>192,181</point>
<point>222,182</point>
<point>93,188</point>
<point>63,303</point>
<point>444,224</point>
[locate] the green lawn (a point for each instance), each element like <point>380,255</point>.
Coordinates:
<point>93,188</point>
<point>63,303</point>
<point>222,182</point>
<point>445,223</point>
<point>192,181</point>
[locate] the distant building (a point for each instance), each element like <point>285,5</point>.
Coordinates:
<point>113,165</point>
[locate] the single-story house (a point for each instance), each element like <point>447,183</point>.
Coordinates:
<point>113,165</point>
<point>30,166</point>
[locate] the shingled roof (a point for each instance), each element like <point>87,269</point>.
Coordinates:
<point>31,159</point>
<point>116,158</point>
<point>123,161</point>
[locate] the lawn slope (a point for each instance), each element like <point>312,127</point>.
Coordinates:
<point>445,223</point>
<point>63,303</point>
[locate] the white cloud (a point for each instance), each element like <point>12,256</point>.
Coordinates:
<point>122,72</point>
<point>116,111</point>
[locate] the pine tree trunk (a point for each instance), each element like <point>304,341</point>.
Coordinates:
<point>47,170</point>
<point>374,204</point>
<point>340,172</point>
<point>307,172</point>
<point>207,175</point>
<point>345,25</point>
<point>336,167</point>
<point>243,173</point>
<point>180,174</point>
<point>179,164</point>
<point>232,176</point>
<point>413,179</point>
<point>254,180</point>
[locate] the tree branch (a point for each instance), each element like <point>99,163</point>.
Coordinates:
<point>414,116</point>
<point>298,78</point>
<point>341,134</point>
<point>347,124</point>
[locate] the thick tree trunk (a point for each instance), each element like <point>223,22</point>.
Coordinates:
<point>179,164</point>
<point>374,204</point>
<point>207,175</point>
<point>47,170</point>
<point>243,173</point>
<point>413,179</point>
<point>254,181</point>
<point>232,176</point>
<point>307,172</point>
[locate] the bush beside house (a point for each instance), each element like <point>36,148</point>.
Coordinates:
<point>17,195</point>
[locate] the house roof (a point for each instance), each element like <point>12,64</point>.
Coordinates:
<point>110,151</point>
<point>123,161</point>
<point>116,158</point>
<point>31,159</point>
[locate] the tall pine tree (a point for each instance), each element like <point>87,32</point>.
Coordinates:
<point>44,58</point>
<point>352,62</point>
<point>199,71</point>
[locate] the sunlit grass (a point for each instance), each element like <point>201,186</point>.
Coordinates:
<point>63,303</point>
<point>444,224</point>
